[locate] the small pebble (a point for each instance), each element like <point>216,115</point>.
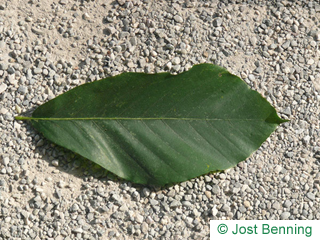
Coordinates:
<point>217,22</point>
<point>285,216</point>
<point>3,87</point>
<point>178,19</point>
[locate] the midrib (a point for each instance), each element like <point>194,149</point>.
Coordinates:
<point>133,119</point>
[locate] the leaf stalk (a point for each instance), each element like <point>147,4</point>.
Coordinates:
<point>22,118</point>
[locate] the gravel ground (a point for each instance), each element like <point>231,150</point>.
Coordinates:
<point>48,47</point>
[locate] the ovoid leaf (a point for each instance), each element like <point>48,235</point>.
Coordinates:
<point>160,128</point>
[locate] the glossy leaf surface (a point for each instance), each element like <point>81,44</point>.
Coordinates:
<point>160,128</point>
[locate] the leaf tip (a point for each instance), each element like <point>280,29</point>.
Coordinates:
<point>274,118</point>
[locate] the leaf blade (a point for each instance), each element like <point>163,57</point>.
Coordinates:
<point>159,129</point>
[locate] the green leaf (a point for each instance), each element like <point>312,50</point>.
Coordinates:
<point>160,128</point>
